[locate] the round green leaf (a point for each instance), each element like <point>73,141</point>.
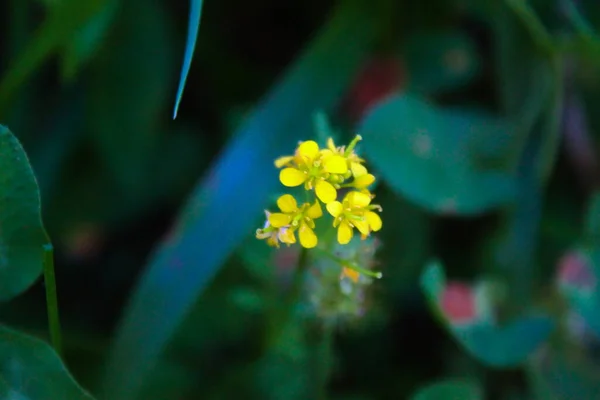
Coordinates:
<point>434,156</point>
<point>31,370</point>
<point>22,235</point>
<point>507,346</point>
<point>450,389</point>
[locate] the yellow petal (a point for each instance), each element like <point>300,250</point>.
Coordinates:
<point>362,226</point>
<point>325,191</point>
<point>374,220</point>
<point>278,220</point>
<point>335,165</point>
<point>291,177</point>
<point>344,233</point>
<point>308,239</point>
<point>282,161</point>
<point>358,199</point>
<point>286,235</point>
<point>335,208</point>
<point>358,169</point>
<point>273,242</point>
<point>308,150</point>
<point>315,211</point>
<point>352,274</point>
<point>326,153</point>
<point>287,203</point>
<point>331,145</point>
<point>363,181</point>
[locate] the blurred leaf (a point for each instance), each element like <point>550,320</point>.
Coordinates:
<point>433,281</point>
<point>193,27</point>
<point>127,90</point>
<point>31,370</point>
<point>530,84</point>
<point>506,346</point>
<point>440,61</point>
<point>209,229</point>
<point>450,389</point>
<point>85,43</point>
<point>424,153</point>
<point>22,234</point>
<point>63,22</point>
<point>497,346</point>
<point>593,218</point>
<point>564,376</point>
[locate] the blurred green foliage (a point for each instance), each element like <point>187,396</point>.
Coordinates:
<point>477,118</point>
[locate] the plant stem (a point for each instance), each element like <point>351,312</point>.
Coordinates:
<point>283,317</point>
<point>52,299</point>
<point>323,361</point>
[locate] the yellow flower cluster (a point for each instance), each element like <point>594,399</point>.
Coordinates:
<point>322,172</point>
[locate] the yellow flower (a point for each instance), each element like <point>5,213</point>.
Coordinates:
<point>275,235</point>
<point>354,212</point>
<point>294,218</point>
<point>313,168</point>
<point>354,163</point>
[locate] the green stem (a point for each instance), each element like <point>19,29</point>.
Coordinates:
<point>284,316</point>
<point>350,264</point>
<point>323,360</point>
<point>531,21</point>
<point>52,299</point>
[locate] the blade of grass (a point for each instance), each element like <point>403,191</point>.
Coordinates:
<point>192,35</point>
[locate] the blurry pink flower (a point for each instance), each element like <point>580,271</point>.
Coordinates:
<point>458,303</point>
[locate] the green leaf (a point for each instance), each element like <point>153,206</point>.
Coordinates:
<point>433,281</point>
<point>440,61</point>
<point>227,203</point>
<point>505,346</point>
<point>429,155</point>
<point>22,234</point>
<point>63,22</point>
<point>87,41</point>
<point>192,35</point>
<point>564,376</point>
<point>31,370</point>
<point>497,346</point>
<point>450,389</point>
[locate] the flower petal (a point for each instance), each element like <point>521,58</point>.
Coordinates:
<point>326,153</point>
<point>335,165</point>
<point>363,181</point>
<point>273,242</point>
<point>282,161</point>
<point>335,208</point>
<point>344,233</point>
<point>325,191</point>
<point>331,145</point>
<point>358,169</point>
<point>308,151</point>
<point>287,236</point>
<point>315,211</point>
<point>261,234</point>
<point>308,239</point>
<point>287,204</point>
<point>374,220</point>
<point>352,274</point>
<point>362,226</point>
<point>278,220</point>
<point>291,177</point>
<point>358,199</point>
